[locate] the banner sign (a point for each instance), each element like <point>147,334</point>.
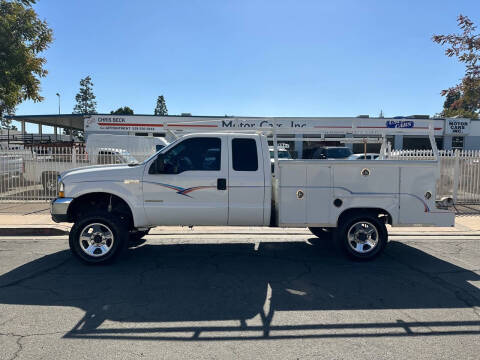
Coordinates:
<point>457,127</point>
<point>157,124</point>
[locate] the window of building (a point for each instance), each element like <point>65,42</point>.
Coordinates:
<point>457,142</point>
<point>244,155</point>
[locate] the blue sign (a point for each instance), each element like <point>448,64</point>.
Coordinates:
<point>400,124</point>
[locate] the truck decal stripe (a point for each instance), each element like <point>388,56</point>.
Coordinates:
<point>425,206</point>
<point>183,191</point>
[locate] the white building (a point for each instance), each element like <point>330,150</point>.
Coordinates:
<point>449,133</point>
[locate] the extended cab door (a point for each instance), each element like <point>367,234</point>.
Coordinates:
<point>187,184</point>
<point>246,181</point>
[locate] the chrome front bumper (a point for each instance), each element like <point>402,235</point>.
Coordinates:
<point>59,209</point>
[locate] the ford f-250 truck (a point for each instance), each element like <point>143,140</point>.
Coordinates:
<point>225,179</point>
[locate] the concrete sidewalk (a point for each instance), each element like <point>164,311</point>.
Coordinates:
<point>41,224</point>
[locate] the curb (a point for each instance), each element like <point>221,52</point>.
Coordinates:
<point>34,231</point>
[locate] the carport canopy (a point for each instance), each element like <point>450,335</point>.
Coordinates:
<point>66,121</point>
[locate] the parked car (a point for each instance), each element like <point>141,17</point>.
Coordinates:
<point>332,152</point>
<point>363,156</point>
<point>44,168</point>
<point>140,147</point>
<point>11,170</point>
<point>282,153</point>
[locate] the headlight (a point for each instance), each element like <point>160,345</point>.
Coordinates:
<point>61,189</point>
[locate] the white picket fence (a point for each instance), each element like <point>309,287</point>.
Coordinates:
<point>459,172</point>
<point>30,174</point>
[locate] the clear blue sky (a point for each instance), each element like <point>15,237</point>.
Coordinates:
<point>252,58</point>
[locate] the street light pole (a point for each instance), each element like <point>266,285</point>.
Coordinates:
<point>58,103</point>
<point>55,128</point>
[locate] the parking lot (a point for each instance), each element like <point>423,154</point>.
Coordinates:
<point>234,293</point>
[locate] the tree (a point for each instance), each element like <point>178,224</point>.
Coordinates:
<point>161,108</point>
<point>22,38</point>
<point>85,105</point>
<point>85,98</point>
<point>463,99</point>
<point>122,111</point>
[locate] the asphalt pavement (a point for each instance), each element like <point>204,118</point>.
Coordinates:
<point>239,294</point>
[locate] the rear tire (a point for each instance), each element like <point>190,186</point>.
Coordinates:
<point>362,237</point>
<point>98,238</point>
<point>322,233</point>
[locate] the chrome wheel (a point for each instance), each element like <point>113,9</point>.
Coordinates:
<point>362,237</point>
<point>96,240</point>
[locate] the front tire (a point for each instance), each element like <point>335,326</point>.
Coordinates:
<point>98,238</point>
<point>362,237</point>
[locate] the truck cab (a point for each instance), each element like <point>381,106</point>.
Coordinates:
<point>212,179</point>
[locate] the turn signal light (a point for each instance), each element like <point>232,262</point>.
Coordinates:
<point>61,190</point>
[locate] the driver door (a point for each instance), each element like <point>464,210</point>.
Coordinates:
<point>189,186</point>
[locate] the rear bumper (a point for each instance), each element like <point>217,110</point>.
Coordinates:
<point>436,217</point>
<point>59,209</point>
<point>442,218</point>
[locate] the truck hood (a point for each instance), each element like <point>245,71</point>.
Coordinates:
<point>103,173</point>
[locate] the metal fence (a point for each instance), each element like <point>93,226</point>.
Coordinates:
<point>459,172</point>
<point>30,174</point>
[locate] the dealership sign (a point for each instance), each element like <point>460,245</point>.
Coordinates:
<point>457,127</point>
<point>400,124</point>
<point>110,123</point>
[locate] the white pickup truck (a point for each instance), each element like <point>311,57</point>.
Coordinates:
<point>225,179</point>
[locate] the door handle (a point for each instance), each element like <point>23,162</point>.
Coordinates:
<point>221,184</point>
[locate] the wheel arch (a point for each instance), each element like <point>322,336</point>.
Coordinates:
<point>110,202</point>
<point>372,211</point>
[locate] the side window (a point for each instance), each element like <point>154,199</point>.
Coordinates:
<point>244,154</point>
<point>195,154</point>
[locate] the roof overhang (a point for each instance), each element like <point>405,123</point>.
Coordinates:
<point>67,121</point>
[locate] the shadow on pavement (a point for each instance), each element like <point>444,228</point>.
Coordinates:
<point>190,283</point>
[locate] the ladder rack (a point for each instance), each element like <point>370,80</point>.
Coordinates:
<point>351,134</point>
